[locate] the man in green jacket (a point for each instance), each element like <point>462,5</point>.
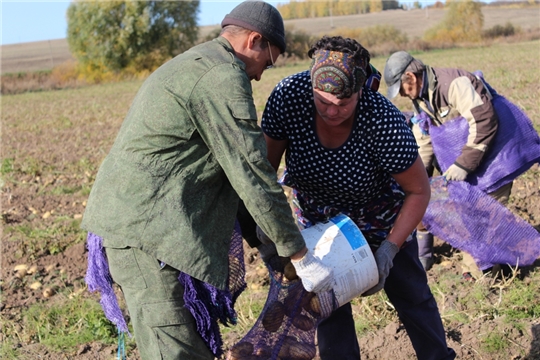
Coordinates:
<point>188,153</point>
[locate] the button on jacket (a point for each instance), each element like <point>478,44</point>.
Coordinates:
<point>188,150</point>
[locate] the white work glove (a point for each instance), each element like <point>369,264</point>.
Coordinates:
<point>384,257</point>
<point>455,173</point>
<point>316,276</point>
<point>267,249</point>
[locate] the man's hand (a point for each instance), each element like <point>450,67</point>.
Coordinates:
<point>316,276</point>
<point>455,173</point>
<point>384,257</point>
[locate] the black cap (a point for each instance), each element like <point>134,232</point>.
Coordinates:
<point>261,17</point>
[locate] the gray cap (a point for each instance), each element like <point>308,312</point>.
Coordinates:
<point>396,65</point>
<point>261,17</point>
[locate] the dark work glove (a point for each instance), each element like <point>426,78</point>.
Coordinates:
<point>263,238</point>
<point>267,249</point>
<point>384,257</point>
<point>247,225</point>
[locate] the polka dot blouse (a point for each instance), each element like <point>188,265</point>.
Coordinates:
<point>354,174</point>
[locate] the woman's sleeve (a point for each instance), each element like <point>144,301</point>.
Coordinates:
<point>394,141</point>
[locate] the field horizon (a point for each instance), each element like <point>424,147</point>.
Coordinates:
<point>45,55</point>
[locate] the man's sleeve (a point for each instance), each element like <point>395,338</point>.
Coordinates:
<point>226,119</point>
<point>473,102</point>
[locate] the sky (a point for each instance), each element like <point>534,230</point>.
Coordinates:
<point>26,21</point>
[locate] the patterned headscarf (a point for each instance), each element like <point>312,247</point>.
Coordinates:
<point>337,73</point>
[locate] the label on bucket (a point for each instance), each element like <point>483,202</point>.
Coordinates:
<point>340,244</point>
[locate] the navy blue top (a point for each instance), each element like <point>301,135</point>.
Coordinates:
<point>356,173</point>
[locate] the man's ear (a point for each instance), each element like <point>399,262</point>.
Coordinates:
<point>254,39</point>
<point>411,78</point>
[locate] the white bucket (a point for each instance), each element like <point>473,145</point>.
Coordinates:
<point>340,244</point>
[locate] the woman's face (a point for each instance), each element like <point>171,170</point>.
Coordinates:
<point>332,110</point>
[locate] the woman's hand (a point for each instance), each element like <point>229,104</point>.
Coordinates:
<point>384,257</point>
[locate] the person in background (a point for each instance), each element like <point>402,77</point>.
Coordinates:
<point>348,150</point>
<point>189,154</point>
<point>438,96</point>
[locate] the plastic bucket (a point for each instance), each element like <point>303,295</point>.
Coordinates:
<point>340,244</point>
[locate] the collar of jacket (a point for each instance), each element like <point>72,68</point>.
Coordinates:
<point>227,46</point>
<point>429,81</point>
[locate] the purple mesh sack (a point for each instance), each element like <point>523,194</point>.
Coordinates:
<point>286,326</point>
<point>98,278</point>
<point>208,304</point>
<point>514,150</point>
<point>469,219</point>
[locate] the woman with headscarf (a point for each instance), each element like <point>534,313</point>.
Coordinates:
<point>348,150</point>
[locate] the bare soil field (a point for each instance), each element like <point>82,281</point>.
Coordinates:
<point>44,55</point>
<point>53,143</point>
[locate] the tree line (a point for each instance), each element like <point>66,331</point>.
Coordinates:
<point>130,35</point>
<point>135,37</point>
<point>317,8</point>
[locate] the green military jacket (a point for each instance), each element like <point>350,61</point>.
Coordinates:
<point>188,150</point>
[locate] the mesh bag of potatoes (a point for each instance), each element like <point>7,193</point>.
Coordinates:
<point>285,329</point>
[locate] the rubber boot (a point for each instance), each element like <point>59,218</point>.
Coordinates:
<point>425,249</point>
